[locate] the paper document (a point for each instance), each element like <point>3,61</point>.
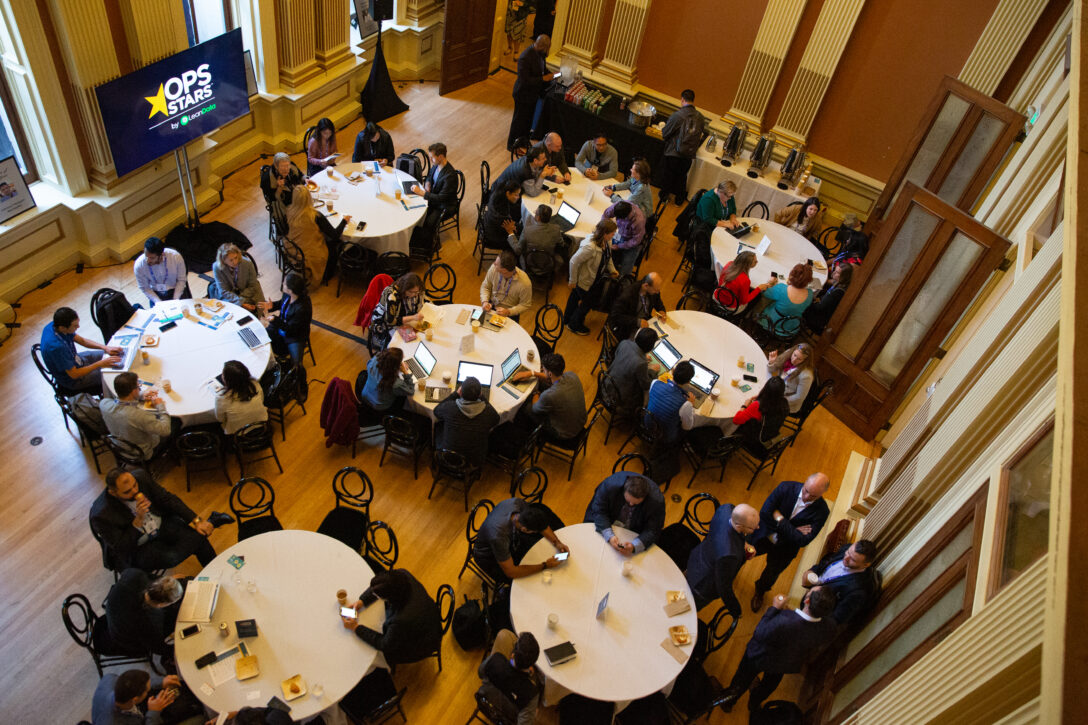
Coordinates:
<point>222,670</point>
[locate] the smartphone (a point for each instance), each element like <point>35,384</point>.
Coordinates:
<point>348,612</point>
<point>206,660</point>
<point>190,630</point>
<point>751,378</point>
<point>562,556</point>
<point>245,320</point>
<point>168,326</point>
<point>360,226</point>
<point>774,274</point>
<point>478,313</point>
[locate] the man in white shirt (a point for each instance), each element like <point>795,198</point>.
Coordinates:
<point>160,272</point>
<point>506,289</point>
<point>128,418</point>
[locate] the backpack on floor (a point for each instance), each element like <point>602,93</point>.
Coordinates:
<point>470,625</point>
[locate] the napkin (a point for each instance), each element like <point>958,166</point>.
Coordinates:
<point>677,654</point>
<point>678,607</point>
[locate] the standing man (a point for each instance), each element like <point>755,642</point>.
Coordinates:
<point>160,273</point>
<point>683,133</point>
<point>533,76</point>
<point>784,640</point>
<point>636,305</point>
<point>849,573</point>
<point>506,289</point>
<point>714,563</point>
<point>440,187</point>
<point>632,501</point>
<point>790,518</point>
<point>374,144</point>
<point>75,371</point>
<point>557,158</point>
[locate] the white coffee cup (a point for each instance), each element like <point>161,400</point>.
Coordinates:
<point>447,377</point>
<point>715,393</point>
<point>546,576</point>
<point>553,621</point>
<point>628,568</point>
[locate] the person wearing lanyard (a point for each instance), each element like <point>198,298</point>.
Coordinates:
<point>74,371</point>
<point>160,272</point>
<point>440,188</point>
<point>506,289</point>
<point>289,326</point>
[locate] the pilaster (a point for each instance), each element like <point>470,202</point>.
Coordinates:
<point>583,25</point>
<point>331,27</point>
<point>624,41</point>
<point>999,43</point>
<point>295,42</point>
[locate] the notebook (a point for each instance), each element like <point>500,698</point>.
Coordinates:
<point>201,596</point>
<point>566,217</point>
<point>480,371</point>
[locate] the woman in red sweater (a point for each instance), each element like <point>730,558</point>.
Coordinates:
<point>735,279</point>
<point>759,421</point>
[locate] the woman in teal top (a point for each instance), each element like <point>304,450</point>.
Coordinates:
<point>718,208</point>
<point>639,184</point>
<point>788,300</point>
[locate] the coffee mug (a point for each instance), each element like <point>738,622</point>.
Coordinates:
<point>628,568</point>
<point>342,597</point>
<point>553,621</point>
<point>715,392</point>
<point>447,377</point>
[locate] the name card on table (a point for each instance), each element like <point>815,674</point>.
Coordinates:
<point>764,245</point>
<point>468,344</point>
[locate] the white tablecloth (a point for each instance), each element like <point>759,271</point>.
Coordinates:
<point>490,346</point>
<point>299,628</point>
<point>190,356</point>
<point>620,657</point>
<point>372,200</point>
<point>717,344</point>
<point>583,194</point>
<point>707,171</point>
<point>787,249</point>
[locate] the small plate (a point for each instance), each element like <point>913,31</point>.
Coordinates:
<point>149,341</point>
<point>213,305</point>
<point>293,681</point>
<point>674,596</point>
<point>680,635</point>
<point>312,186</point>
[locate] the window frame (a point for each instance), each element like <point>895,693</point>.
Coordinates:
<point>190,17</point>
<point>20,138</point>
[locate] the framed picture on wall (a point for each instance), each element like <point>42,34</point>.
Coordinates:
<point>15,195</point>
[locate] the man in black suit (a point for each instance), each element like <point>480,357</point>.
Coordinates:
<point>141,613</point>
<point>503,214</point>
<point>784,640</point>
<point>849,573</point>
<point>714,563</point>
<point>509,668</point>
<point>440,186</point>
<point>413,625</point>
<point>790,518</point>
<point>529,87</point>
<point>374,144</point>
<point>632,501</point>
<point>636,306</point>
<point>530,171</point>
<point>143,525</point>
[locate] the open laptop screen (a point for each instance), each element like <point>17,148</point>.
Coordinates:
<point>480,371</point>
<point>704,377</point>
<point>425,358</point>
<point>511,363</point>
<point>667,354</point>
<point>568,212</point>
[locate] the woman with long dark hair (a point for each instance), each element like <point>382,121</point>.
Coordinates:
<point>400,304</point>
<point>827,299</point>
<point>797,368</point>
<point>803,218</point>
<point>759,421</point>
<point>241,401</point>
<point>289,319</point>
<point>388,382</point>
<point>322,145</point>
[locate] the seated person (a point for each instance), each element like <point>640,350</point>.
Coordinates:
<point>541,233</point>
<point>796,367</point>
<point>75,371</point>
<point>632,501</point>
<point>318,239</point>
<point>854,243</point>
<point>502,214</point>
<point>143,525</point>
<point>388,381</point>
<point>288,322</point>
<point>235,278</point>
<point>788,300</point>
<point>506,290</point>
<point>671,405</point>
<point>556,159</point>
<point>848,572</point>
<point>639,184</point>
<point>719,207</point>
<point>126,698</point>
<point>761,418</point>
<point>160,272</point>
<point>635,306</point>
<point>374,144</point>
<point>630,231</point>
<point>399,305</point>
<point>631,369</point>
<point>509,667</point>
<point>828,297</point>
<point>440,186</point>
<point>464,421</point>
<point>259,716</point>
<point>597,159</point>
<point>241,401</point>
<point>561,406</point>
<point>282,177</point>
<point>128,417</point>
<point>803,218</point>
<point>530,171</point>
<point>412,629</point>
<point>141,612</point>
<point>322,145</point>
<point>735,278</point>
<point>507,534</point>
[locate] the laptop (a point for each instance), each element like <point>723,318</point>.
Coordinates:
<point>566,217</point>
<point>130,350</point>
<point>422,362</point>
<point>702,382</point>
<point>480,371</point>
<point>665,354</point>
<point>201,596</point>
<point>249,337</point>
<point>511,366</point>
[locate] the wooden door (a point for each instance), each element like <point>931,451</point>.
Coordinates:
<point>466,43</point>
<point>925,266</point>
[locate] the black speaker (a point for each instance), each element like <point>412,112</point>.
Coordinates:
<point>380,9</point>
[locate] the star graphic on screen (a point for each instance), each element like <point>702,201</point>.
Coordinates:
<point>158,102</point>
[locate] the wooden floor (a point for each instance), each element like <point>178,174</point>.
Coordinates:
<point>48,551</point>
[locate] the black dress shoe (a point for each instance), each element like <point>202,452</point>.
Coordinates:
<point>729,699</point>
<point>218,518</point>
<point>757,601</point>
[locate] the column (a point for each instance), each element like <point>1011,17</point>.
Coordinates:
<point>765,62</point>
<point>153,30</point>
<point>581,30</point>
<point>331,25</point>
<point>421,13</point>
<point>821,57</point>
<point>624,41</point>
<point>295,42</point>
<point>999,43</point>
<point>257,19</point>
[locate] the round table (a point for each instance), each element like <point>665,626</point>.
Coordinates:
<point>372,199</point>
<point>489,346</point>
<point>583,194</point>
<point>297,574</point>
<point>620,657</point>
<point>787,249</point>
<point>191,355</point>
<point>717,344</point>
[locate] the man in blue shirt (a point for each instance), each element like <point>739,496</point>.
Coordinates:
<point>118,698</point>
<point>160,272</point>
<point>75,371</point>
